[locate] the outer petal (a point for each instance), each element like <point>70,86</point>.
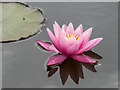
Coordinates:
<point>57,25</point>
<point>53,39</point>
<point>86,35</point>
<point>57,30</point>
<point>89,45</point>
<point>81,40</point>
<point>70,29</point>
<point>79,30</point>
<point>53,49</point>
<point>64,27</point>
<point>44,44</point>
<point>47,46</point>
<point>84,58</point>
<point>56,59</point>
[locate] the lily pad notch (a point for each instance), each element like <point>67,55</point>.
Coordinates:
<point>19,21</point>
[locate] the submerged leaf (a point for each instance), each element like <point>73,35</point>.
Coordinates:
<point>19,21</point>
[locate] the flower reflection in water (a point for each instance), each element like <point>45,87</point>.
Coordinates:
<point>73,68</point>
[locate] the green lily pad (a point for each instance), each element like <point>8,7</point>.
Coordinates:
<point>19,21</point>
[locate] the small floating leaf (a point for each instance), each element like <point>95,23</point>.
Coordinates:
<point>19,21</point>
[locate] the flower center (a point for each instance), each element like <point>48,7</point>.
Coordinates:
<point>69,35</point>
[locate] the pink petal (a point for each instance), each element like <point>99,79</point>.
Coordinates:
<point>64,27</point>
<point>56,59</point>
<point>84,37</point>
<point>89,45</point>
<point>87,34</point>
<point>63,41</point>
<point>53,39</point>
<point>72,49</point>
<point>71,40</point>
<point>53,49</point>
<point>84,58</point>
<point>47,46</point>
<point>79,30</point>
<point>44,44</point>
<point>70,29</point>
<point>80,41</point>
<point>57,25</point>
<point>57,30</point>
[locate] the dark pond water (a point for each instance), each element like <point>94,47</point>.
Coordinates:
<point>24,64</point>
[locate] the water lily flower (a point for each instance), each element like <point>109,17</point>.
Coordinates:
<point>69,43</point>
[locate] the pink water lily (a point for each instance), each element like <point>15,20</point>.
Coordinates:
<point>69,43</point>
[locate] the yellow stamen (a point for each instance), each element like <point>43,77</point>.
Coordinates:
<point>65,34</point>
<point>69,35</point>
<point>76,37</point>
